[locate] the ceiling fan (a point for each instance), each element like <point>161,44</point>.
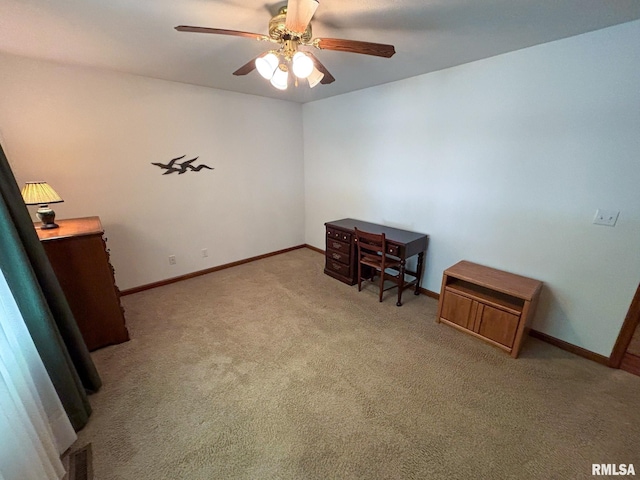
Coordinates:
<point>290,29</point>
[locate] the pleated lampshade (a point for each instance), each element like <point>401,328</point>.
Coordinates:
<point>39,193</point>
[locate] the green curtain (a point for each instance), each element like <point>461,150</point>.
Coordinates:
<point>43,304</point>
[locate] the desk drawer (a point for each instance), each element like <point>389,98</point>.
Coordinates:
<point>337,267</point>
<point>338,246</point>
<point>393,250</point>
<point>339,234</point>
<point>342,257</point>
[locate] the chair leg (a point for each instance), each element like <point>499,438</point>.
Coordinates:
<point>359,276</point>
<point>381,284</point>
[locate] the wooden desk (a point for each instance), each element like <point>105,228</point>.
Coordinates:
<point>340,253</point>
<point>79,257</point>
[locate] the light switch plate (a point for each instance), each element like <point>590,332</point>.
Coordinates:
<point>606,217</point>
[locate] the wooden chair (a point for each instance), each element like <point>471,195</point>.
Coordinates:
<point>372,250</point>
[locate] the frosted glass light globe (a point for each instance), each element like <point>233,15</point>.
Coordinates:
<point>267,65</point>
<point>315,77</point>
<point>280,78</point>
<point>302,65</point>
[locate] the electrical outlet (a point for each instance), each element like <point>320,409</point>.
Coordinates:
<point>172,259</point>
<point>606,217</point>
<point>205,253</point>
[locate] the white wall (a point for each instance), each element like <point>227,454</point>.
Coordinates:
<point>93,135</point>
<point>502,162</point>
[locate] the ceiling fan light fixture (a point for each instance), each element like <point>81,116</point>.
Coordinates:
<point>267,65</point>
<point>302,65</point>
<point>315,77</point>
<point>290,28</point>
<point>280,77</point>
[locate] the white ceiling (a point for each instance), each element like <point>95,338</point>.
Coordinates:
<point>138,36</point>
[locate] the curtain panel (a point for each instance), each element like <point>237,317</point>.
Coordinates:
<point>34,427</point>
<point>42,303</point>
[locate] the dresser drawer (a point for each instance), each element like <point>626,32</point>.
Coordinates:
<point>337,267</point>
<point>342,257</point>
<point>338,246</point>
<point>338,234</point>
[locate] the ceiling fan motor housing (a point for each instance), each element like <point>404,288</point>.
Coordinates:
<point>278,31</point>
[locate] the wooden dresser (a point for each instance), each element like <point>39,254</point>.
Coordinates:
<point>491,304</point>
<point>78,254</point>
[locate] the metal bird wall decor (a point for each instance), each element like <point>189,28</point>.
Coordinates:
<point>173,166</point>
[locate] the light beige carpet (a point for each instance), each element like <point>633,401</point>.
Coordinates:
<point>273,370</point>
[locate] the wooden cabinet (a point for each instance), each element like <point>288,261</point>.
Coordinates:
<point>490,304</point>
<point>79,257</point>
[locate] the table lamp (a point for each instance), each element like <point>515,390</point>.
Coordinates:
<point>40,193</point>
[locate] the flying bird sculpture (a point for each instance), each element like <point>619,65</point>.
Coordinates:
<point>180,168</point>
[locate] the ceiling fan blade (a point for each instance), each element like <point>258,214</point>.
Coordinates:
<point>221,31</point>
<point>248,67</point>
<point>354,46</point>
<point>328,78</point>
<point>299,14</point>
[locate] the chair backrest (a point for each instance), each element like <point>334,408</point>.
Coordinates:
<point>371,242</point>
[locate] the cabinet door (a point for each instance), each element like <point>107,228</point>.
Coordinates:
<point>497,325</point>
<point>456,309</point>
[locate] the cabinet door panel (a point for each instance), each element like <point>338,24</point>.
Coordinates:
<point>498,325</point>
<point>456,309</point>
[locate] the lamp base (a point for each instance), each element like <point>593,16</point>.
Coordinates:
<point>47,226</point>
<point>47,217</point>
